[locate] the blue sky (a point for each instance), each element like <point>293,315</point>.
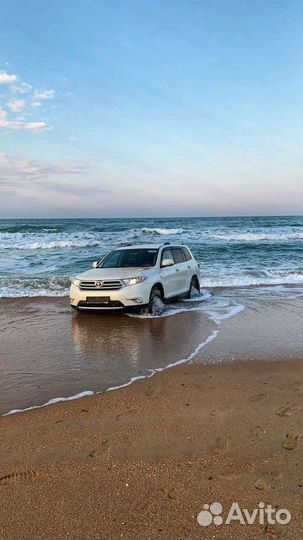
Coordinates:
<point>134,108</point>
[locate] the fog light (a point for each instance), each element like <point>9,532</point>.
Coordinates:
<point>137,300</point>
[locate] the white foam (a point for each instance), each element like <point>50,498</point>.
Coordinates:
<point>242,280</point>
<point>55,244</point>
<point>52,402</point>
<point>218,310</point>
<point>153,372</point>
<point>258,237</point>
<point>9,292</point>
<point>204,295</point>
<point>128,383</point>
<point>161,231</point>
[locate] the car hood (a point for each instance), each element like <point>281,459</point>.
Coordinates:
<point>112,273</point>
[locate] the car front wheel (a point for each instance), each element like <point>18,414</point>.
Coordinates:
<point>156,305</point>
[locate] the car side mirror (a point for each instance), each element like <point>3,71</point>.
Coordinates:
<point>167,262</point>
<point>95,264</point>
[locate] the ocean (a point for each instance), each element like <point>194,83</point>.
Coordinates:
<point>38,256</point>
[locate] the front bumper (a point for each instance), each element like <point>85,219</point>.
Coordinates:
<point>120,300</point>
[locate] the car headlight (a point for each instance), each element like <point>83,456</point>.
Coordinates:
<point>133,280</point>
<point>75,281</point>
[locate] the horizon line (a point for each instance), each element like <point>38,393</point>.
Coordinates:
<point>160,217</point>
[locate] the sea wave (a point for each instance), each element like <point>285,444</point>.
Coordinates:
<point>244,280</point>
<point>161,231</point>
<point>22,287</point>
<point>56,244</point>
<point>258,237</point>
<point>14,229</point>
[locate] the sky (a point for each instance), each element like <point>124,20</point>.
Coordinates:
<point>150,108</point>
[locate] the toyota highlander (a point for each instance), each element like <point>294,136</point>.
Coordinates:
<point>136,277</point>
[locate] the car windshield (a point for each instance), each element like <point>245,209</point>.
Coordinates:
<point>130,258</point>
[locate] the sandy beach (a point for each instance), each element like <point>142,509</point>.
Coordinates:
<point>141,462</point>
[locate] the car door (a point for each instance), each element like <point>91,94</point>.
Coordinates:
<point>181,269</point>
<point>169,275</point>
<point>191,265</point>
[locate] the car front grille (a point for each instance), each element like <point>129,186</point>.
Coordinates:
<point>113,304</point>
<point>101,285</point>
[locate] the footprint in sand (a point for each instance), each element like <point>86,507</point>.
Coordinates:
<point>291,441</point>
<point>218,412</point>
<point>258,433</point>
<point>221,446</point>
<point>258,397</point>
<point>289,410</point>
<point>230,476</point>
<point>13,477</point>
<point>274,531</point>
<point>250,467</point>
<point>276,474</point>
<point>262,485</point>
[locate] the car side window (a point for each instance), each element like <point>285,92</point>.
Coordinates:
<point>186,254</point>
<point>166,254</point>
<point>178,255</point>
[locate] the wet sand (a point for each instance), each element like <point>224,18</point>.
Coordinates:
<point>141,462</point>
<point>48,351</point>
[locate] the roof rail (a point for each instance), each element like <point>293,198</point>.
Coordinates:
<point>166,244</point>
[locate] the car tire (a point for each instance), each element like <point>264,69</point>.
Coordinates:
<point>194,285</point>
<point>155,295</point>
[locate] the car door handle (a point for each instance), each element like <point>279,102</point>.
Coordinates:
<point>177,269</point>
<point>188,267</point>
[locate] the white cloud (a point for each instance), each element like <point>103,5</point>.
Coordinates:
<point>20,168</point>
<point>5,78</point>
<point>33,127</point>
<point>47,180</point>
<point>20,97</point>
<point>16,105</point>
<point>45,94</point>
<point>22,88</point>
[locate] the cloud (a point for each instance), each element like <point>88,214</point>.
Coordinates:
<point>31,100</point>
<point>5,78</point>
<point>20,168</point>
<point>33,127</point>
<point>17,105</point>
<point>22,178</point>
<point>45,94</point>
<point>22,88</point>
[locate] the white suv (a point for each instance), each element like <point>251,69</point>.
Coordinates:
<point>135,277</point>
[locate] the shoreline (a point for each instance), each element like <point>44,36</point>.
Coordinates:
<point>141,462</point>
<point>49,353</point>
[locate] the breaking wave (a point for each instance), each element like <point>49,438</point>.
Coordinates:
<point>56,244</point>
<point>20,287</point>
<point>259,237</point>
<point>160,231</point>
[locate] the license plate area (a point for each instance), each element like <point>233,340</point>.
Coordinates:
<point>98,299</point>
